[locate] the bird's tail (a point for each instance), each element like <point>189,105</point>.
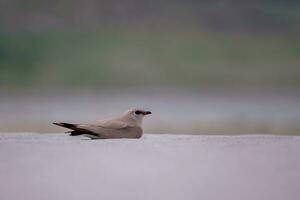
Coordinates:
<point>75,130</point>
<point>66,125</point>
<point>75,133</point>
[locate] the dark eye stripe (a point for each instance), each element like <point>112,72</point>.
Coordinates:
<point>138,112</point>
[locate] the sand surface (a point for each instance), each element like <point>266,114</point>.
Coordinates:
<point>56,166</point>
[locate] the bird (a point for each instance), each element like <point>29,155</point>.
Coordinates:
<point>128,125</point>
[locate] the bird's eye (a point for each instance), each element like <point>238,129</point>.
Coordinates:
<point>138,112</point>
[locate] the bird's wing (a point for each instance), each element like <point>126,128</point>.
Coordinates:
<point>111,124</point>
<point>112,130</point>
<point>105,125</point>
<point>103,133</point>
<point>103,129</point>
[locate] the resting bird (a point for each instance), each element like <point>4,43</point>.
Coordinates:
<point>128,125</point>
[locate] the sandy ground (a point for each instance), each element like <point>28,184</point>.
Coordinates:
<point>55,166</point>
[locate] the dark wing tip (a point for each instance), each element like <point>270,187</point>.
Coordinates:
<point>66,125</point>
<point>58,124</point>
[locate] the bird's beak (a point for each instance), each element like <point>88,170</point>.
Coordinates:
<point>147,113</point>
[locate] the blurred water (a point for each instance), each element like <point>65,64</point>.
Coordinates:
<point>205,111</point>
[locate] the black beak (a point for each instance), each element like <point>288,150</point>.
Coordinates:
<point>147,113</point>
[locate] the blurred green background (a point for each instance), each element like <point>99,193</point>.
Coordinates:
<point>189,45</point>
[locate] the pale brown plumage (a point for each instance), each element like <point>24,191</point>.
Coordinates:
<point>128,125</point>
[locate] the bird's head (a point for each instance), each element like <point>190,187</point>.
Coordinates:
<point>137,115</point>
